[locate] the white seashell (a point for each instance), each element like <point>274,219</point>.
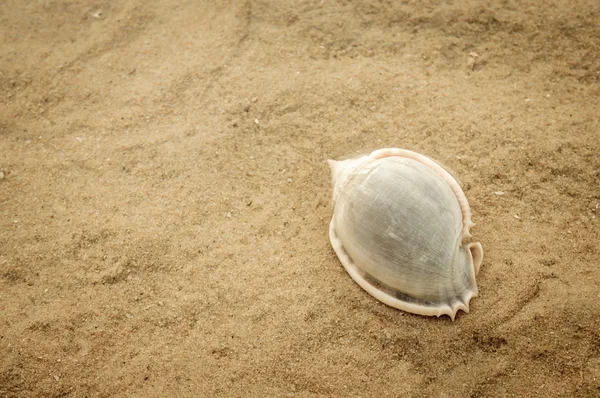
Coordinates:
<point>399,227</point>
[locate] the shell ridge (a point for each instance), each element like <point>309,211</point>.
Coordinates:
<point>476,251</point>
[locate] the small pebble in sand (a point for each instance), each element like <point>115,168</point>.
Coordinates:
<point>499,193</point>
<point>472,60</point>
<point>1,175</point>
<point>471,63</point>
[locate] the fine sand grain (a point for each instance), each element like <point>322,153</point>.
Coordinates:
<point>165,195</point>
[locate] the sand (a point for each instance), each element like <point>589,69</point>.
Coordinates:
<point>165,195</point>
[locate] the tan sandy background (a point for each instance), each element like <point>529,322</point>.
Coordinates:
<point>165,196</point>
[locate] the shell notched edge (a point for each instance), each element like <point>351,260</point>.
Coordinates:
<point>474,250</point>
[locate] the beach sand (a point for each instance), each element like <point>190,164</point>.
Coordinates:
<point>165,195</point>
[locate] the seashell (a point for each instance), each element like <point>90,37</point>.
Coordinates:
<point>400,228</point>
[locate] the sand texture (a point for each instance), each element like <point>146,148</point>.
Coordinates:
<point>165,195</point>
